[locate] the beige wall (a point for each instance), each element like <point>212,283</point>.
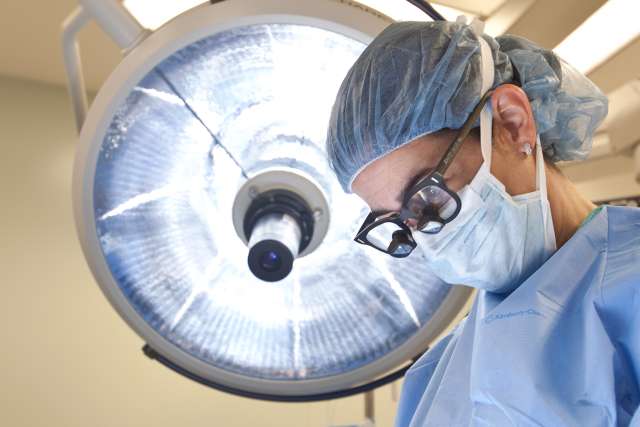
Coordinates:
<point>606,178</point>
<point>66,358</point>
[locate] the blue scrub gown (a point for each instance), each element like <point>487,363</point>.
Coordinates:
<point>562,349</point>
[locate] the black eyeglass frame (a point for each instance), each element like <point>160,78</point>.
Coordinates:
<point>372,221</point>
<point>434,178</point>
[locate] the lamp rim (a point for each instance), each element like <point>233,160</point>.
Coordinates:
<point>203,21</point>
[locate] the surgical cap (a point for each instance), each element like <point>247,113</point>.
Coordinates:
<point>417,78</point>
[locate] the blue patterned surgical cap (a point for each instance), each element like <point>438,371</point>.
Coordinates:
<point>417,78</point>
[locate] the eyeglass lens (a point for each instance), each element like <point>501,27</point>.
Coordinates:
<point>430,205</point>
<point>391,238</point>
<point>401,244</point>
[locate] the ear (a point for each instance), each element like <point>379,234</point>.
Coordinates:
<point>513,122</point>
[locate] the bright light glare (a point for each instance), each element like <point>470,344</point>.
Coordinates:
<point>152,13</point>
<point>604,33</point>
<point>405,11</point>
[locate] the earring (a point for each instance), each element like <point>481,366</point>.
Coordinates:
<point>526,149</point>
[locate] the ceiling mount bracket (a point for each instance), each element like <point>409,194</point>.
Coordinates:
<point>119,25</point>
<point>73,65</point>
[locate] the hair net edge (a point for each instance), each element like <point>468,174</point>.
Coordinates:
<point>357,172</point>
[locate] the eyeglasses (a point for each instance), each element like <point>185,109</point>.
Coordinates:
<point>428,204</point>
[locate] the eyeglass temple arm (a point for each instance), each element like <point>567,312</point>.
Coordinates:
<point>462,135</point>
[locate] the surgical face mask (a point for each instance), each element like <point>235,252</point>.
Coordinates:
<point>497,240</point>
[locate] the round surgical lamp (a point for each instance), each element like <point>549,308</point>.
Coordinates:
<point>211,220</point>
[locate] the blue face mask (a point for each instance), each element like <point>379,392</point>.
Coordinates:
<point>497,240</point>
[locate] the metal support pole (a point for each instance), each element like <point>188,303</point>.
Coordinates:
<point>636,156</point>
<point>369,407</point>
<point>73,65</point>
<point>116,21</point>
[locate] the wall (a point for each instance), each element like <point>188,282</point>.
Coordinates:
<point>67,359</point>
<point>605,178</point>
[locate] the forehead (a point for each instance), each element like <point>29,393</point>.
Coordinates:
<point>381,183</point>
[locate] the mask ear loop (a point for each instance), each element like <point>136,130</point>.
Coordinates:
<point>487,72</point>
<point>541,186</point>
<point>541,177</point>
<point>486,137</point>
<point>486,134</point>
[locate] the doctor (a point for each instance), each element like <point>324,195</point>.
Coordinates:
<point>451,136</point>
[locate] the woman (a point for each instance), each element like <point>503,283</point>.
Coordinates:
<point>553,338</point>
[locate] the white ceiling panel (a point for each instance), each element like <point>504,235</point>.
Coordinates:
<point>548,22</point>
<point>479,8</point>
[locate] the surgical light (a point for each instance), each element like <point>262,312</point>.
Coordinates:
<point>210,217</point>
<point>605,32</point>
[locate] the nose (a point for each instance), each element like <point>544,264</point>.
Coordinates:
<point>412,223</point>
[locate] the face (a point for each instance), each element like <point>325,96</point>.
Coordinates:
<point>382,183</point>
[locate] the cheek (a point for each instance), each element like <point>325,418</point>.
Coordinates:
<point>459,178</point>
<point>455,181</point>
<point>463,172</point>
<point>389,198</point>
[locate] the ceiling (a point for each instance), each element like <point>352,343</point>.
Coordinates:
<point>30,38</point>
